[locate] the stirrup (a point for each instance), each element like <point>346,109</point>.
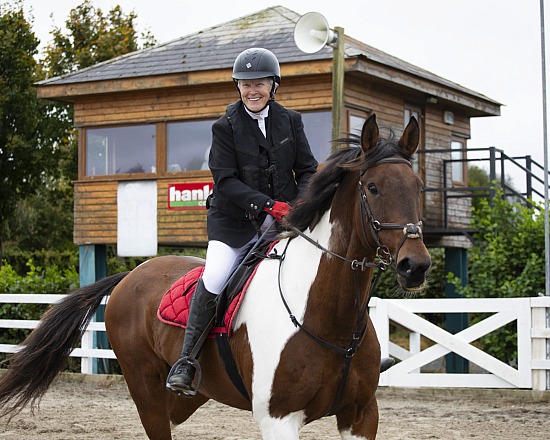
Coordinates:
<point>190,392</point>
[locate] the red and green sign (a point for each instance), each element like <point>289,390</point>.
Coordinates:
<point>193,195</point>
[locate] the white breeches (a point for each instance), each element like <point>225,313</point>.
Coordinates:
<point>222,259</point>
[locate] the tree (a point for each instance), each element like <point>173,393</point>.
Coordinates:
<point>27,151</point>
<point>42,159</point>
<point>92,38</point>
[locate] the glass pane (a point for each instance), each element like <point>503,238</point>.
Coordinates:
<point>188,145</point>
<point>318,129</point>
<point>457,168</point>
<point>120,150</point>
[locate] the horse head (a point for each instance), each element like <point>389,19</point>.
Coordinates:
<point>389,209</point>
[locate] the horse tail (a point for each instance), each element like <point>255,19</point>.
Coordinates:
<point>46,350</point>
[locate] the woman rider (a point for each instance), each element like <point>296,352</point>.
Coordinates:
<point>260,159</point>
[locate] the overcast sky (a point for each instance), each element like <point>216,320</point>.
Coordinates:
<point>490,46</point>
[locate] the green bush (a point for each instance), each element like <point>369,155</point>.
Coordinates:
<point>19,259</point>
<point>507,261</point>
<point>37,280</point>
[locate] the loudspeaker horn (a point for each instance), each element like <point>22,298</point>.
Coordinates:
<point>312,33</point>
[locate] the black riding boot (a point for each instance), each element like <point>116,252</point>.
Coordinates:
<point>386,363</point>
<point>201,312</point>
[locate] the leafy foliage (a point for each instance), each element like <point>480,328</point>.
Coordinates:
<point>92,38</point>
<point>27,148</point>
<point>508,257</point>
<point>507,261</point>
<point>49,280</point>
<point>38,143</point>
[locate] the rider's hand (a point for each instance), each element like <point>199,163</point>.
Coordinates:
<point>277,209</point>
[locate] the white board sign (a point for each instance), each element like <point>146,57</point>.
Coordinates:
<point>137,219</point>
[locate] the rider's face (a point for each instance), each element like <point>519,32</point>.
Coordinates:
<point>255,93</point>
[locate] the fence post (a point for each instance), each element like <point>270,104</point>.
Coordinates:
<point>529,177</point>
<point>378,313</point>
<point>456,261</point>
<point>538,343</point>
<point>492,173</point>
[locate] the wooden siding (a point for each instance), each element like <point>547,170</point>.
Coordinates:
<point>95,200</point>
<point>181,227</point>
<point>95,214</point>
<point>199,102</point>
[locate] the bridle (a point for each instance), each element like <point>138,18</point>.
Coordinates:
<point>410,230</point>
<point>382,260</point>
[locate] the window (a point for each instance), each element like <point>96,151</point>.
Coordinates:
<point>120,150</point>
<point>188,145</point>
<point>458,166</point>
<point>318,129</point>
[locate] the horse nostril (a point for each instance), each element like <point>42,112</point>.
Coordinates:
<point>405,268</point>
<point>408,268</point>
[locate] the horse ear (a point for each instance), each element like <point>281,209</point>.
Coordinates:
<point>370,133</point>
<point>410,138</point>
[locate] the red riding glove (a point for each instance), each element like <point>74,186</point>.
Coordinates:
<point>277,209</point>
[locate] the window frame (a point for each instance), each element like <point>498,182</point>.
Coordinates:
<point>456,139</point>
<point>83,150</point>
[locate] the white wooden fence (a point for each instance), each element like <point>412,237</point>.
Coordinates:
<point>528,313</point>
<point>86,352</point>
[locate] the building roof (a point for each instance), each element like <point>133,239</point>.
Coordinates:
<point>216,48</point>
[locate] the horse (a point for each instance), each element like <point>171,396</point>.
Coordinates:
<point>302,341</point>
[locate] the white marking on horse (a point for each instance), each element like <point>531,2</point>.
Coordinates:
<point>269,326</point>
<point>347,435</point>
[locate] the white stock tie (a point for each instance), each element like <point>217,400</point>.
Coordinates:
<point>260,117</point>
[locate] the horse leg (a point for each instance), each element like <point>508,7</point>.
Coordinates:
<point>358,423</point>
<point>158,408</point>
<point>287,427</point>
<point>149,396</point>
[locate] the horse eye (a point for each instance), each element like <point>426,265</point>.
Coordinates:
<point>372,188</point>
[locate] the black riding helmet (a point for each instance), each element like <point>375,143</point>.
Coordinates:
<point>257,63</point>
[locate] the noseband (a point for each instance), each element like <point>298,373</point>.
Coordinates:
<point>410,230</point>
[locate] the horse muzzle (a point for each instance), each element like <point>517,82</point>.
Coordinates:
<point>412,270</point>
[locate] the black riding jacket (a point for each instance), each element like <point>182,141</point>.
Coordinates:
<point>249,169</point>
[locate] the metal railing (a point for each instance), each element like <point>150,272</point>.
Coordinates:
<point>500,168</point>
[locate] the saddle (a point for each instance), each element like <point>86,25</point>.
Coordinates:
<point>174,305</point>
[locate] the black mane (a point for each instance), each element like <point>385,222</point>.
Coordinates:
<point>316,199</point>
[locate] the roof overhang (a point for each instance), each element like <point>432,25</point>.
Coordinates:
<point>471,103</point>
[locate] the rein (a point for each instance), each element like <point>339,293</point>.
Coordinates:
<point>382,260</point>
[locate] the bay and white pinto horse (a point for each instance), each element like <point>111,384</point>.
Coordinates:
<point>302,341</point>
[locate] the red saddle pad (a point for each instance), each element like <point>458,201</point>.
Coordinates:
<point>174,306</point>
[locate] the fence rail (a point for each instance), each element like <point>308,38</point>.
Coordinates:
<point>529,314</point>
<point>87,352</point>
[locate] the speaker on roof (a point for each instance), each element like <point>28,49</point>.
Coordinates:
<point>312,33</point>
